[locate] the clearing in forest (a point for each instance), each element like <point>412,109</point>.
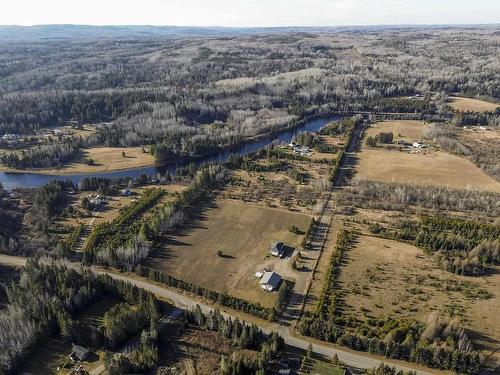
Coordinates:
<point>384,278</point>
<point>243,233</point>
<point>472,105</point>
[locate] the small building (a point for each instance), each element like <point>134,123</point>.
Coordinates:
<point>79,353</point>
<point>270,281</point>
<point>258,274</point>
<point>96,201</point>
<point>277,249</point>
<point>126,192</point>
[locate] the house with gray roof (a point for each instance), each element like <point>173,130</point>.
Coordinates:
<point>270,281</point>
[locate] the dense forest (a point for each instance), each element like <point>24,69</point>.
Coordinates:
<point>192,96</point>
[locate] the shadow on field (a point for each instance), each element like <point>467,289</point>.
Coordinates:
<point>197,215</point>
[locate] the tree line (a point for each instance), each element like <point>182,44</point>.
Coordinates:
<point>396,196</point>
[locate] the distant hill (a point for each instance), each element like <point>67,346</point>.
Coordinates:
<point>88,31</point>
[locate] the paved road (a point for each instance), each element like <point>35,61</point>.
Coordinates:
<point>186,302</point>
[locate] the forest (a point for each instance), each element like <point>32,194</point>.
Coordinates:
<point>189,97</point>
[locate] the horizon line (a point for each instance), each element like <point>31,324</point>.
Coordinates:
<point>255,27</point>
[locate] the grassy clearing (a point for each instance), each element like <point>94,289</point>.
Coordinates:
<point>472,105</point>
<point>435,168</point>
<point>407,130</point>
<point>243,233</point>
<point>324,368</point>
<point>388,278</point>
<point>106,159</point>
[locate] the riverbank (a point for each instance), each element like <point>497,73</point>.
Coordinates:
<point>111,159</point>
<point>13,179</point>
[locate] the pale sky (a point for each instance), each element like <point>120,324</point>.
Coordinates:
<point>248,12</point>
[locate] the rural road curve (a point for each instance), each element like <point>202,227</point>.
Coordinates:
<point>185,302</point>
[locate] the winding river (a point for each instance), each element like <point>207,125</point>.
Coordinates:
<point>11,180</point>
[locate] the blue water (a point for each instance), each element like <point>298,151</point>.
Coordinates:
<point>12,180</point>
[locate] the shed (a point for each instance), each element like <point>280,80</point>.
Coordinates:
<point>270,281</point>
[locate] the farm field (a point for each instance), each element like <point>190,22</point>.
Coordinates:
<point>388,278</point>
<point>243,233</point>
<point>472,105</point>
<point>408,130</point>
<point>106,159</point>
<point>435,168</point>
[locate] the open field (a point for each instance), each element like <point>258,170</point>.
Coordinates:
<point>472,105</point>
<point>388,278</point>
<point>408,130</point>
<point>106,159</point>
<point>435,168</point>
<point>243,233</point>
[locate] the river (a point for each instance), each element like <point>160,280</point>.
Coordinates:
<point>11,180</point>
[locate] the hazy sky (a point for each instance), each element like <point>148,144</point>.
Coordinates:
<point>248,12</point>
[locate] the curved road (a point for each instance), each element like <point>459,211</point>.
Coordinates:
<point>363,361</point>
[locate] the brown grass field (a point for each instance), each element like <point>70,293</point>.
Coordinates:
<point>408,130</point>
<point>106,159</point>
<point>388,278</point>
<point>473,105</point>
<point>243,233</point>
<point>433,168</point>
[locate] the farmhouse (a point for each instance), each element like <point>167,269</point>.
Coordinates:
<point>277,249</point>
<point>79,353</point>
<point>270,281</point>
